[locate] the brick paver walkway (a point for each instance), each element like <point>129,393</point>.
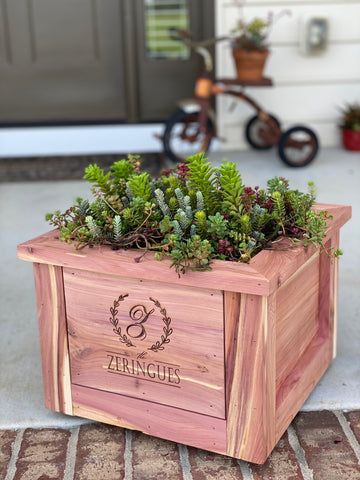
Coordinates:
<point>317,446</point>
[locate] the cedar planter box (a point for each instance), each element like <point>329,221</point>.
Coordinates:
<point>220,360</point>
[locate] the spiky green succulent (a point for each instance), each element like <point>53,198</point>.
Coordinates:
<point>193,214</point>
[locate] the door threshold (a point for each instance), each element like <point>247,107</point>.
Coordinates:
<point>81,140</point>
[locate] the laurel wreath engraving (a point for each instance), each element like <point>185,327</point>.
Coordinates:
<point>114,321</point>
<point>155,347</point>
<point>166,329</point>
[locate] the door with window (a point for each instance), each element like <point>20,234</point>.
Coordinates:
<point>167,69</point>
<point>96,61</point>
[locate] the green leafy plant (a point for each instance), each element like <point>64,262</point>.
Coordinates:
<point>253,34</point>
<point>351,117</point>
<point>192,214</point>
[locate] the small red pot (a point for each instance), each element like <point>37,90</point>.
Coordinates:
<point>351,139</point>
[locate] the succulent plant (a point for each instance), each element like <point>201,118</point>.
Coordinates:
<point>194,213</point>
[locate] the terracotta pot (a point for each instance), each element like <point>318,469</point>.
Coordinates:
<point>249,63</point>
<point>351,139</point>
<point>220,360</point>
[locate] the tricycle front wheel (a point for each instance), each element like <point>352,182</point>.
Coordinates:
<point>183,136</point>
<point>298,146</point>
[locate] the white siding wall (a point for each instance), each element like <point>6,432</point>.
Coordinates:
<point>307,90</point>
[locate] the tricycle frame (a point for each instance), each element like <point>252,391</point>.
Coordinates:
<point>193,126</point>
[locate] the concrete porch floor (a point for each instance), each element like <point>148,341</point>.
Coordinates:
<point>336,174</point>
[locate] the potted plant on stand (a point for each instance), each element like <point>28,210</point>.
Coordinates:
<point>250,47</point>
<point>219,354</point>
<point>350,127</point>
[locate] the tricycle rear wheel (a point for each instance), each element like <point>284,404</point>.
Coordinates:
<point>298,146</point>
<point>262,134</point>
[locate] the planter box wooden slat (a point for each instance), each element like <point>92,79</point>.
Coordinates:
<point>177,382</point>
<point>297,323</point>
<point>47,249</point>
<point>278,266</point>
<point>251,411</point>
<point>301,381</point>
<point>53,337</point>
<point>220,360</point>
<point>200,431</point>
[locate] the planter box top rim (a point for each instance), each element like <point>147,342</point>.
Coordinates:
<point>265,272</point>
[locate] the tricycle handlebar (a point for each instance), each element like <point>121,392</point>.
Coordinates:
<point>184,36</point>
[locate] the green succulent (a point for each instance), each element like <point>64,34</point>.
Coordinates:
<point>194,218</point>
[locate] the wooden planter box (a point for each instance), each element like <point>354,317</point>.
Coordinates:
<point>219,360</point>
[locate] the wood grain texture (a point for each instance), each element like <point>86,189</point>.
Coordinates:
<point>250,354</point>
<point>297,316</point>
<point>301,381</point>
<point>329,292</point>
<point>231,276</point>
<point>261,276</point>
<point>161,421</point>
<point>334,292</point>
<point>245,344</point>
<point>53,337</point>
<point>186,372</point>
<point>279,266</point>
<point>312,363</point>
